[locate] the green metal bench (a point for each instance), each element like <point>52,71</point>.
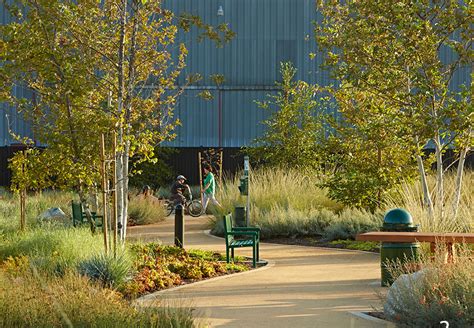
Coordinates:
<point>80,217</point>
<point>251,239</point>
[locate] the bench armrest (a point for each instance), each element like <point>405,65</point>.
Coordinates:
<point>246,229</point>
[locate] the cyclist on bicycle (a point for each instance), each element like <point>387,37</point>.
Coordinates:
<point>178,189</point>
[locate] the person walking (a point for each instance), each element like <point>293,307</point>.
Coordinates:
<point>209,188</point>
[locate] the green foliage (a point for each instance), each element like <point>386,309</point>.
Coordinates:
<point>368,246</point>
<point>395,93</point>
<point>106,270</point>
<point>158,267</point>
<point>443,291</point>
<point>294,127</point>
<point>156,173</point>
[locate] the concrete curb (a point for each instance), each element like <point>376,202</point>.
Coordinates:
<point>362,319</point>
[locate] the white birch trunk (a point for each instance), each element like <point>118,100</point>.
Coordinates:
<point>459,176</point>
<point>125,158</point>
<point>119,185</point>
<point>120,137</point>
<point>424,185</point>
<point>439,176</point>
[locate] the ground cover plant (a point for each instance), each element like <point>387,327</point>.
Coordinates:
<point>158,267</point>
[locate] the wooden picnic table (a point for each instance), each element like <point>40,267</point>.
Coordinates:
<point>448,239</point>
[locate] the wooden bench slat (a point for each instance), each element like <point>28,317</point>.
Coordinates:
<point>411,237</point>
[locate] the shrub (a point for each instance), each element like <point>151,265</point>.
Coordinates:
<point>145,211</point>
<point>441,291</point>
<point>105,269</point>
<point>281,222</point>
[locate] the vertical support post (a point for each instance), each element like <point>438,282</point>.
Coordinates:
<point>179,226</point>
<point>221,161</point>
<point>23,197</point>
<point>103,172</point>
<point>200,175</point>
<point>247,175</point>
<point>114,195</point>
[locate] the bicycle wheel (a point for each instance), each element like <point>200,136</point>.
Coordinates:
<point>169,208</point>
<point>195,208</point>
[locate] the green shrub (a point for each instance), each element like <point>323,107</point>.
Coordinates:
<point>105,269</point>
<point>145,211</point>
<point>442,291</point>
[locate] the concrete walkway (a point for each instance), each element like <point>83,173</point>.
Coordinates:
<point>303,286</point>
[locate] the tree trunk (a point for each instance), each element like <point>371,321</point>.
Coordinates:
<point>459,176</point>
<point>424,185</point>
<point>439,176</point>
<point>125,189</point>
<point>120,134</point>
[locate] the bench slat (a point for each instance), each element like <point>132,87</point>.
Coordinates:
<point>409,237</point>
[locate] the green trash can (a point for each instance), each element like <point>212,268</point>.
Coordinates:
<point>240,215</point>
<point>397,219</point>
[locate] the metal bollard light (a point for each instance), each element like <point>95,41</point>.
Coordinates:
<point>179,226</point>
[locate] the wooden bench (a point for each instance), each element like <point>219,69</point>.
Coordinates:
<point>251,239</point>
<point>448,239</point>
<point>80,217</point>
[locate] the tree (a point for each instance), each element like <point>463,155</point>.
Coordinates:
<point>97,67</point>
<point>367,149</point>
<point>294,128</point>
<point>391,50</point>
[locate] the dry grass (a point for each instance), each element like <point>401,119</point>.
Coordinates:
<point>410,196</point>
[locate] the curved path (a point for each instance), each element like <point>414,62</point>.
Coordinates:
<point>302,287</point>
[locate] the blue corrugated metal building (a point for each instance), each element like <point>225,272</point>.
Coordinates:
<point>267,33</point>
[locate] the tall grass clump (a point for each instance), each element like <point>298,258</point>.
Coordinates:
<point>410,196</point>
<point>289,203</point>
<point>52,248</point>
<point>289,189</point>
<point>33,300</point>
<point>143,210</point>
<point>439,292</point>
<point>106,269</point>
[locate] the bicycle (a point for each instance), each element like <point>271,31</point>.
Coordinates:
<point>192,207</point>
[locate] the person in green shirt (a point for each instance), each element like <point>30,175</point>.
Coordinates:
<point>209,188</point>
